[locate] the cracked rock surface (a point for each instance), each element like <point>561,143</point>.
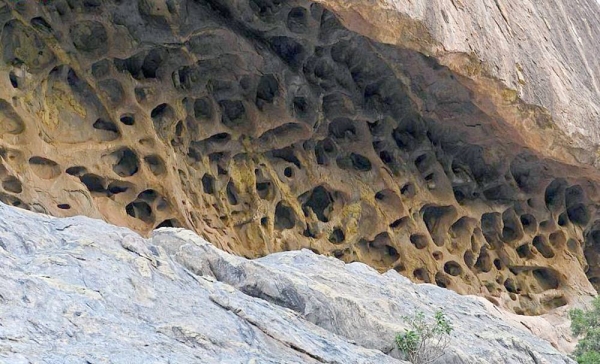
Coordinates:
<point>79,290</point>
<point>267,125</point>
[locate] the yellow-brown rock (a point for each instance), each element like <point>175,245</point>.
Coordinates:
<point>267,125</point>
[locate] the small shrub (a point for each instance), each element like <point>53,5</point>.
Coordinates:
<point>586,326</point>
<point>424,342</point>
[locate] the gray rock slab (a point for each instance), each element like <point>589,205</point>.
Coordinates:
<point>79,290</point>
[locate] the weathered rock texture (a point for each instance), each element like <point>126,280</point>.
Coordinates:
<point>535,62</point>
<point>78,290</point>
<point>266,125</point>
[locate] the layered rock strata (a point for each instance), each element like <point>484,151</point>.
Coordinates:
<point>268,125</point>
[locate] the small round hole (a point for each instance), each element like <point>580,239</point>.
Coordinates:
<point>128,119</point>
<point>288,172</point>
<point>13,79</point>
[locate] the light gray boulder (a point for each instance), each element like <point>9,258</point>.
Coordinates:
<point>78,290</point>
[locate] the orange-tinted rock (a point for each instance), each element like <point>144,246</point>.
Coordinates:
<point>267,126</point>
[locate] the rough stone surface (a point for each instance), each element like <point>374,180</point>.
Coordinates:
<point>76,289</point>
<point>268,125</point>
<point>543,53</point>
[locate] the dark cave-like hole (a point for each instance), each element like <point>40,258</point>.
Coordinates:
<point>386,157</point>
<point>453,268</point>
<point>148,195</point>
<point>127,162</point>
<point>436,218</point>
<point>563,219</point>
<point>290,51</point>
<point>169,223</point>
<point>288,172</point>
<point>127,119</point>
<point>408,190</point>
<point>41,24</point>
<point>14,82</point>
<point>297,20</point>
<point>442,280</point>
<point>420,241</point>
<point>574,195</point>
<point>116,187</point>
<point>93,182</point>
<point>264,189</point>
<point>208,184</point>
<point>547,278</point>
<point>162,115</point>
<point>424,162</point>
<point>400,223</point>
<point>319,201</point>
<point>578,214</point>
<point>554,196</point>
<point>422,275</point>
<point>267,89</point>
<point>524,251</point>
<point>459,195</point>
<point>300,105</point>
<point>101,68</point>
<point>140,210</point>
<point>339,253</point>
<point>203,108</point>
<point>498,264</point>
<point>529,223</point>
<point>511,286</point>
<point>152,62</point>
<point>76,170</point>
<point>232,193</point>
<point>360,162</point>
<point>284,217</point>
<point>105,125</point>
<point>233,113</point>
<point>512,229</point>
<point>484,261</point>
<point>469,258</point>
<point>337,236</point>
<point>12,184</point>
<point>341,128</point>
<point>155,164</point>
<point>288,155</point>
<point>491,223</point>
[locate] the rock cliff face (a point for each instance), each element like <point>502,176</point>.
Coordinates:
<point>360,130</point>
<point>79,290</point>
<point>534,62</point>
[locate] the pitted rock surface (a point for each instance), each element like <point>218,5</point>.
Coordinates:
<point>79,290</point>
<point>534,63</point>
<point>268,126</point>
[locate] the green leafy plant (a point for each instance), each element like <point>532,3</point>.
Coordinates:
<point>586,326</point>
<point>425,341</point>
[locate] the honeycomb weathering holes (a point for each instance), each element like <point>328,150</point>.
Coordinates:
<point>305,137</point>
<point>126,162</point>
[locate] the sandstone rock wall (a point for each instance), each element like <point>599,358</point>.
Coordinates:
<point>268,126</point>
<point>521,55</point>
<point>75,290</point>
